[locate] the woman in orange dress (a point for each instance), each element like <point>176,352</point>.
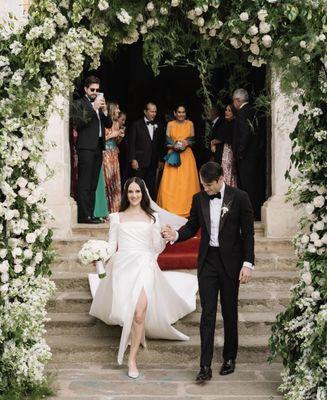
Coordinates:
<point>180,180</point>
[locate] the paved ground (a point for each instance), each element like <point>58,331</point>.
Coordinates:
<point>106,382</point>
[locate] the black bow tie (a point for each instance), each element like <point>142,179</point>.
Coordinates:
<point>150,122</point>
<point>214,196</point>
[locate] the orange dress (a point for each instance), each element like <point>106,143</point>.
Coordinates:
<point>179,184</point>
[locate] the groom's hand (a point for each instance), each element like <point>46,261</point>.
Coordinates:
<point>245,275</point>
<point>168,233</point>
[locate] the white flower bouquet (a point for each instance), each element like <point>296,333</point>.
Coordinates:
<point>95,250</point>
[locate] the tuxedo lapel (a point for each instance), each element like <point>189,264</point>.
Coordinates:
<point>227,202</point>
<point>146,130</point>
<point>205,205</point>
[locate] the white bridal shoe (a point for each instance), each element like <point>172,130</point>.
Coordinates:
<point>133,375</point>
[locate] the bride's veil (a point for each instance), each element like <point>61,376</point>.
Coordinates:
<point>166,217</point>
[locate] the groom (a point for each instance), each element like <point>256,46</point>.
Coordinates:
<point>225,259</point>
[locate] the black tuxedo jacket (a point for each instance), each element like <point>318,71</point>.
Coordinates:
<point>216,134</point>
<point>86,122</point>
<point>245,136</point>
<point>147,152</point>
<point>236,229</point>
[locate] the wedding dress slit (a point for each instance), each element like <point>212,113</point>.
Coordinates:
<point>132,268</point>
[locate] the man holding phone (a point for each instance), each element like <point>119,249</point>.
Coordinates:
<point>90,117</point>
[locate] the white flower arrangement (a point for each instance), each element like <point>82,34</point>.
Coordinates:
<point>124,17</point>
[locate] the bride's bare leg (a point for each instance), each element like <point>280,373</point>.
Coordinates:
<point>137,330</point>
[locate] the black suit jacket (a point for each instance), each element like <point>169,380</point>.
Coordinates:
<point>147,152</point>
<point>245,134</point>
<point>86,122</point>
<point>215,134</point>
<point>236,229</point>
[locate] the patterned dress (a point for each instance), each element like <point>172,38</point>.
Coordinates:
<point>111,173</point>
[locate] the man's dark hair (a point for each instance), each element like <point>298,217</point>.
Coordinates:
<point>211,171</point>
<point>90,80</point>
<point>146,105</point>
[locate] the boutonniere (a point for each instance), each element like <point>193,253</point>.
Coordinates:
<point>155,126</point>
<point>225,209</point>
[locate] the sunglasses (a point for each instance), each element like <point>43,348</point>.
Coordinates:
<point>94,90</point>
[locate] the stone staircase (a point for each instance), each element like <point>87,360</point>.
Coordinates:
<point>75,336</point>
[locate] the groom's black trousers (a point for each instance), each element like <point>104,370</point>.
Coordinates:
<point>212,279</point>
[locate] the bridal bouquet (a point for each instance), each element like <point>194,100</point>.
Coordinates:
<point>95,250</point>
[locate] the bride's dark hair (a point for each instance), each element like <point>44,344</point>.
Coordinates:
<point>145,202</point>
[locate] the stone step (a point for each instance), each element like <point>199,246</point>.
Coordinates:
<point>72,349</point>
<point>101,230</point>
<point>71,246</point>
<point>264,262</point>
<point>75,281</point>
<point>260,300</point>
<point>65,324</point>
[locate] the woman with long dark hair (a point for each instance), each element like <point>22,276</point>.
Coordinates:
<point>136,294</point>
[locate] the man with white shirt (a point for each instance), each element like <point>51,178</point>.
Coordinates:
<point>89,115</point>
<point>226,259</point>
<point>146,146</point>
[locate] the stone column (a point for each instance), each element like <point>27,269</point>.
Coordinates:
<point>58,188</point>
<point>280,218</point>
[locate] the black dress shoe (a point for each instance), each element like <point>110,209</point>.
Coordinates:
<point>97,220</point>
<point>227,367</point>
<point>205,374</point>
<point>87,220</point>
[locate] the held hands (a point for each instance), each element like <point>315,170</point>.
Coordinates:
<point>168,233</point>
<point>245,275</point>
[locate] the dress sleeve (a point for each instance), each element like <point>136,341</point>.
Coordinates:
<point>113,233</point>
<point>159,243</point>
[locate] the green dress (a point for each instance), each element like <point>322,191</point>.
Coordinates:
<point>101,208</point>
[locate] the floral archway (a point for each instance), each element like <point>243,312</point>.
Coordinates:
<point>42,57</point>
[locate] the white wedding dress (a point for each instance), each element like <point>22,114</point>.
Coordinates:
<point>135,246</point>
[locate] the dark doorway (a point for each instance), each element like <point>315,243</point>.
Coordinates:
<point>129,81</point>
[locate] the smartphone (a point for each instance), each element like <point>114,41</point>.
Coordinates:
<point>99,96</point>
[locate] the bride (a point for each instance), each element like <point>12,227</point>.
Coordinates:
<point>136,294</point>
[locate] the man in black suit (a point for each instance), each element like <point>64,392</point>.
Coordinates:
<point>226,258</point>
<point>217,146</point>
<point>245,147</point>
<point>89,116</point>
<point>146,147</point>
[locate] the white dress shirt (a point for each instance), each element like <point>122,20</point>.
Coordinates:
<point>150,127</point>
<point>242,105</point>
<point>215,216</point>
<point>214,121</point>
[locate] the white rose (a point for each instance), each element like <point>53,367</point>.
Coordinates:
<point>321,37</point>
<point>30,238</point>
<point>264,27</point>
<point>324,239</point>
<point>266,41</point>
<point>246,40</point>
<point>311,248</point>
<point>200,22</point>
<point>309,290</point>
<point>309,208</point>
<point>306,264</point>
<point>253,30</point>
<point>307,278</point>
<point>295,60</point>
<point>163,11</point>
<point>318,243</point>
<point>235,43</point>
<point>4,267</point>
<point>28,254</point>
<point>103,5</point>
<point>244,16</point>
<point>254,48</point>
<point>4,288</point>
<point>4,277</point>
<point>315,295</point>
<point>24,193</point>
<point>306,58</point>
<point>18,268</point>
<point>143,29</point>
<point>314,236</point>
<point>319,226</point>
<point>258,62</point>
<point>262,14</point>
<point>197,11</point>
<point>305,239</point>
<point>319,201</point>
<point>150,23</point>
<point>30,270</point>
<point>16,252</point>
<point>303,44</point>
<point>212,32</point>
<point>175,3</point>
<point>22,182</point>
<point>3,253</point>
<point>139,18</point>
<point>191,15</point>
<point>31,200</point>
<point>150,6</point>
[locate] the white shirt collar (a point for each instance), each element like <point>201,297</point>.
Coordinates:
<point>215,120</point>
<point>242,105</point>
